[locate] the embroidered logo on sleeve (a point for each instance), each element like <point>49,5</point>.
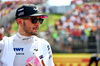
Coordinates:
<point>50,56</point>
<point>48,47</point>
<point>41,56</point>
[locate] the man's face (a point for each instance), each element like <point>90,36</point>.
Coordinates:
<point>31,28</point>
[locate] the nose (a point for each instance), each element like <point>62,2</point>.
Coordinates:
<point>37,23</point>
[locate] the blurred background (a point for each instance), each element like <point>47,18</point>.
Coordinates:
<point>72,28</point>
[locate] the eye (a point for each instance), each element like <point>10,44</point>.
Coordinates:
<point>41,21</point>
<point>34,21</point>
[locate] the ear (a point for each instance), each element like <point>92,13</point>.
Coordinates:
<point>19,21</point>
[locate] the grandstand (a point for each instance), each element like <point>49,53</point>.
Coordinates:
<point>7,8</point>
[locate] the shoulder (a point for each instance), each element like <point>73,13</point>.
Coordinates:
<point>42,41</point>
<point>1,44</point>
<point>3,41</point>
<point>44,44</point>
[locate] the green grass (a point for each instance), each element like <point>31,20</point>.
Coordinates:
<point>14,26</point>
<point>44,27</point>
<point>50,20</point>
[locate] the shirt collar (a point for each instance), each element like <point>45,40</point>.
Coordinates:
<point>23,37</point>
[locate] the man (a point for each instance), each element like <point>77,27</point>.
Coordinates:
<point>24,48</point>
<point>94,58</point>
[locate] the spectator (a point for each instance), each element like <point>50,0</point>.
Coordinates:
<point>1,32</point>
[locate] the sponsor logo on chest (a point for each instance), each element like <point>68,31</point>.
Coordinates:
<point>19,51</point>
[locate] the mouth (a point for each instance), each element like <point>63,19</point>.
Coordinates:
<point>35,28</point>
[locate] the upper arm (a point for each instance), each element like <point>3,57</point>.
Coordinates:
<point>47,53</point>
<point>1,48</point>
<point>46,47</point>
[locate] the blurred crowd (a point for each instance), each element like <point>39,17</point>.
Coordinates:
<point>7,6</point>
<point>79,27</point>
<point>76,29</point>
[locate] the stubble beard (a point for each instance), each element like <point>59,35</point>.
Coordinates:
<point>28,31</point>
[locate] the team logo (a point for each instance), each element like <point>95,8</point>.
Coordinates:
<point>33,60</point>
<point>21,9</point>
<point>21,13</point>
<point>35,49</point>
<point>36,9</point>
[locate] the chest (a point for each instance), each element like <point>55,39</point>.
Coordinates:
<point>25,52</point>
